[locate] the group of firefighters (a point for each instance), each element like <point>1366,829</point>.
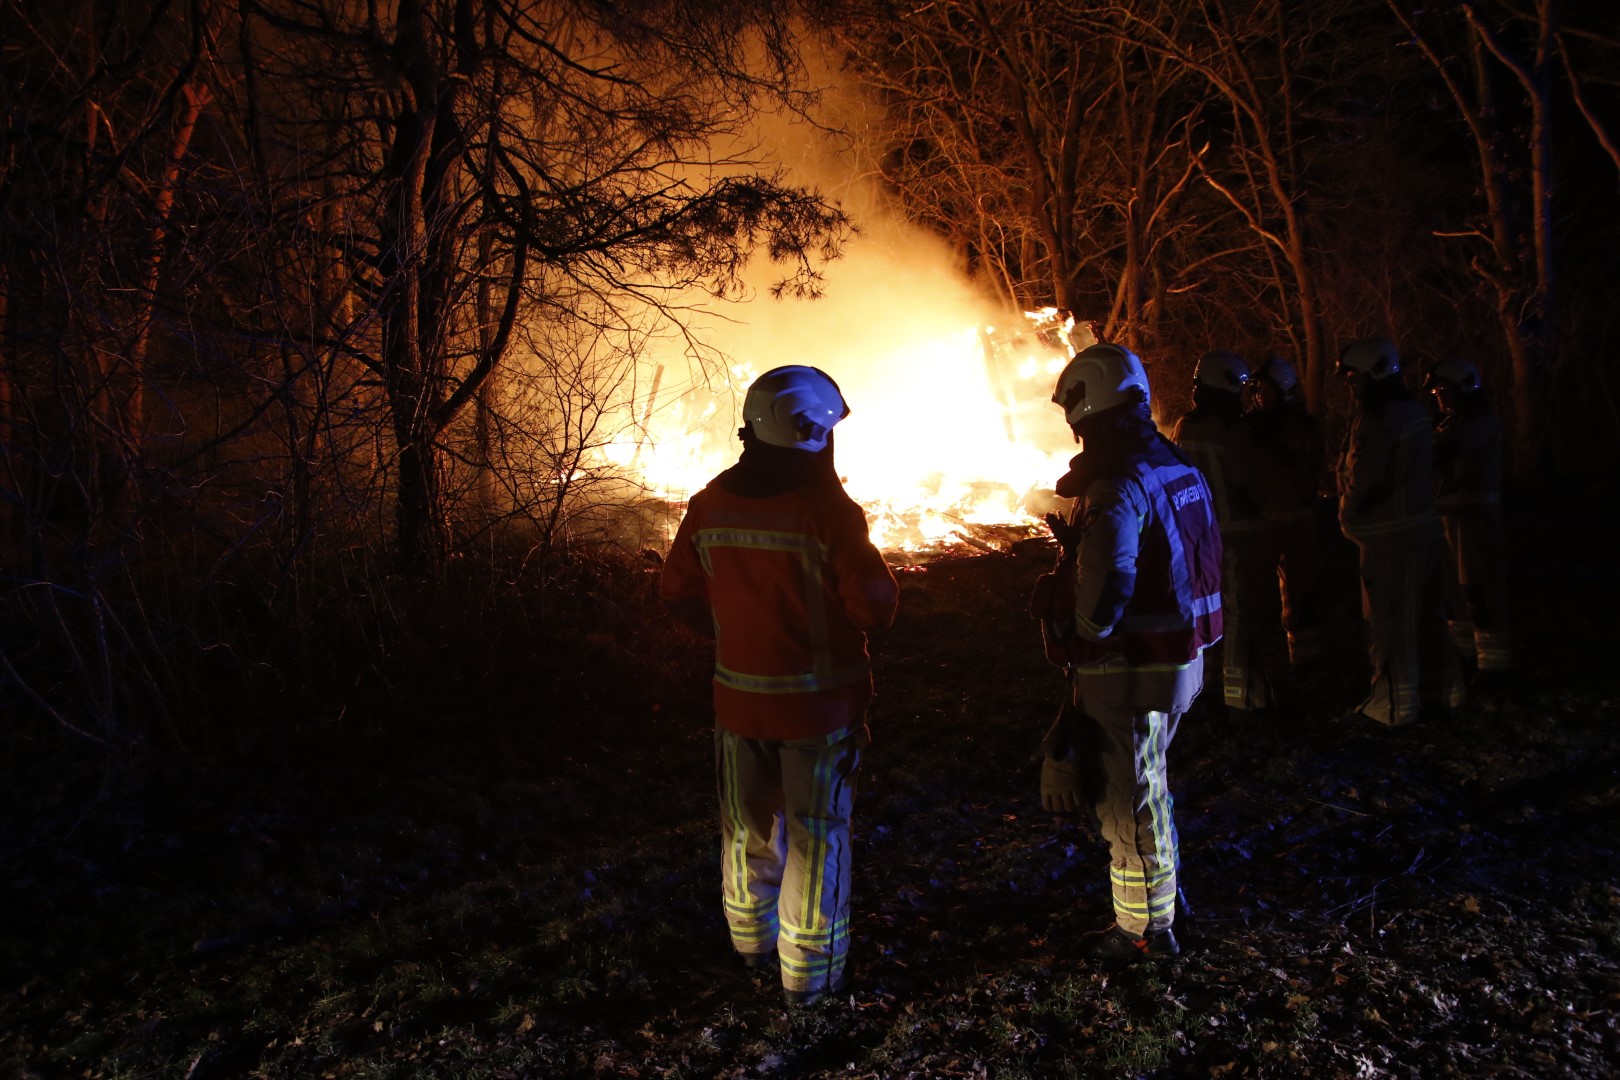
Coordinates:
<point>1171,546</point>
<point>1418,494</point>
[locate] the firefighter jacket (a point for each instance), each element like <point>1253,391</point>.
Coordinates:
<point>1147,565</point>
<point>1289,460</point>
<point>1385,473</point>
<point>793,582</point>
<point>1220,446</point>
<point>1468,462</point>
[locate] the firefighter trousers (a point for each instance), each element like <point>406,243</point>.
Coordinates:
<point>1476,588</point>
<point>1299,574</point>
<point>785,808</point>
<point>1414,663</point>
<point>1248,606</point>
<point>1123,749</point>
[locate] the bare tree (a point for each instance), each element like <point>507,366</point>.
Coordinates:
<point>1504,64</point>
<point>1581,49</point>
<point>101,113</point>
<point>507,146</point>
<point>1056,159</point>
<point>262,258</point>
<point>1517,262</point>
<point>1258,59</point>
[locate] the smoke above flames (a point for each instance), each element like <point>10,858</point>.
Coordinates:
<point>951,429</point>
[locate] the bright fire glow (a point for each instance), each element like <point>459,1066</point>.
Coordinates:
<point>947,431</point>
<point>951,428</point>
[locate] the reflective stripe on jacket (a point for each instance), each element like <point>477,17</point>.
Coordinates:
<point>1148,583</point>
<point>792,582</point>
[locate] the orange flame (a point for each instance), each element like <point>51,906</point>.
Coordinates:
<point>945,433</point>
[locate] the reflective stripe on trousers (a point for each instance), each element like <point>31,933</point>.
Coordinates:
<point>785,809</point>
<point>1135,813</point>
<point>1492,650</point>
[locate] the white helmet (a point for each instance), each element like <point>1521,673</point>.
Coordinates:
<point>1374,356</point>
<point>1280,372</point>
<point>1459,373</point>
<point>1100,377</point>
<point>794,406</point>
<point>1221,371</point>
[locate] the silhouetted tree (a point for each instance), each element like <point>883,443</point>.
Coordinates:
<point>282,274</point>
<point>504,157</point>
<point>1143,163</point>
<point>1054,161</point>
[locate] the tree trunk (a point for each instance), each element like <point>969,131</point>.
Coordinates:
<point>1315,360</point>
<point>404,229</point>
<point>1129,302</point>
<point>10,495</point>
<point>1520,281</point>
<point>193,97</point>
<point>420,529</point>
<point>483,405</point>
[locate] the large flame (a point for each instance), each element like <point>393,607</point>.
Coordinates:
<point>961,434</point>
<point>951,438</point>
<point>951,429</point>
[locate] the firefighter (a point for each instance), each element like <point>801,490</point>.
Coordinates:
<point>1468,496</point>
<point>1289,462</point>
<point>775,560</point>
<point>1386,507</point>
<point>1139,603</point>
<point>1214,436</point>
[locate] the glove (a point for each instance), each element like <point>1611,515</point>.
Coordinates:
<point>1065,534</point>
<point>1060,784</point>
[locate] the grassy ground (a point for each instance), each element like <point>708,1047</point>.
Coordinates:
<point>519,879</point>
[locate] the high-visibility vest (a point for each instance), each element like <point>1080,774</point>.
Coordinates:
<point>1173,611</point>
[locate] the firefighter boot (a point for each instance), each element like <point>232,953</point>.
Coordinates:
<point>756,961</point>
<point>1114,944</point>
<point>799,999</point>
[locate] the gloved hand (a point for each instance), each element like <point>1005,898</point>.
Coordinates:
<point>1065,534</point>
<point>1060,784</point>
